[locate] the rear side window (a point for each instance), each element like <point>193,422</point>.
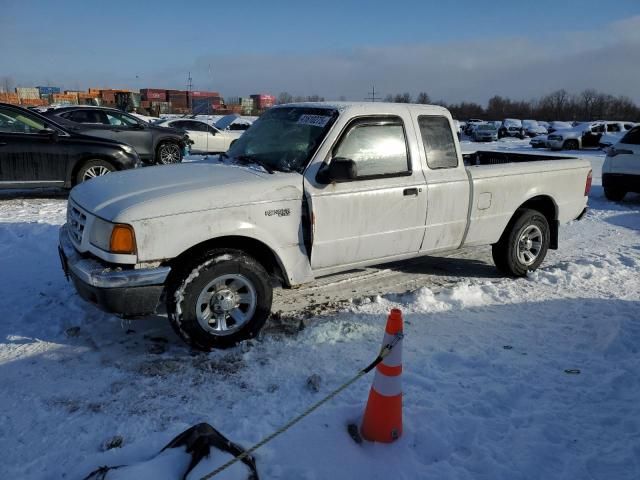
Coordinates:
<point>378,147</point>
<point>85,116</point>
<point>437,139</point>
<point>632,137</point>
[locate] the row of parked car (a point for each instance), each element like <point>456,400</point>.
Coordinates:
<point>583,135</point>
<point>553,135</point>
<point>60,147</point>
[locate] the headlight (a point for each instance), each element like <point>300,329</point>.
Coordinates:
<point>113,237</point>
<point>128,149</point>
<point>101,234</point>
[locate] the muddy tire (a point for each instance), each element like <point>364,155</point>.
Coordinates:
<point>523,244</point>
<point>219,300</point>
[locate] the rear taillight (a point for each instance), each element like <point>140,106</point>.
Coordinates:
<point>587,185</point>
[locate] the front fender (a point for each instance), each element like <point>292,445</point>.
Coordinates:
<point>165,238</point>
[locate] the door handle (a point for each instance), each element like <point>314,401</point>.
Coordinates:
<point>410,191</point>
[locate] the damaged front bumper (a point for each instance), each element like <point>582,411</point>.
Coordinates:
<point>127,292</point>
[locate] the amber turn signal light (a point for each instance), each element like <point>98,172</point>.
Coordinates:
<point>123,239</point>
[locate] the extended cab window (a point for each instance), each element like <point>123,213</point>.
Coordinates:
<point>377,145</point>
<point>437,138</point>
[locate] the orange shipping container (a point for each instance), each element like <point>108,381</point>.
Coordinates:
<point>10,98</point>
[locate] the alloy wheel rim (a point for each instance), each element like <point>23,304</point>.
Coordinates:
<point>96,171</point>
<point>226,304</point>
<point>529,245</point>
<point>169,154</point>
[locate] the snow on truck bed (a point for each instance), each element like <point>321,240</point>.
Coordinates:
<point>486,395</point>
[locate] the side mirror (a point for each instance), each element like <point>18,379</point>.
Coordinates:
<point>51,133</point>
<point>137,126</point>
<point>339,170</point>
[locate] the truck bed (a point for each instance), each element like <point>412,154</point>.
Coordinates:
<point>497,158</point>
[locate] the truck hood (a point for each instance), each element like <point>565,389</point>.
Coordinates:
<point>152,192</point>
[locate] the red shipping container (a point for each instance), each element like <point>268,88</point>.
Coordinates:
<point>205,94</point>
<point>153,94</point>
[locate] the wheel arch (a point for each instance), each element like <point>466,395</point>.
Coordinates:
<point>257,249</point>
<point>547,207</point>
<point>71,180</point>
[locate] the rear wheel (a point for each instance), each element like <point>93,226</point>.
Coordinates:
<point>614,194</point>
<point>523,244</point>
<point>221,299</point>
<point>571,145</point>
<point>92,169</point>
<point>168,153</point>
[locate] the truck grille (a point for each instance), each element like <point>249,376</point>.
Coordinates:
<point>75,221</point>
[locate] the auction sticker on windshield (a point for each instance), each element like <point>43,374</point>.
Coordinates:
<point>313,120</point>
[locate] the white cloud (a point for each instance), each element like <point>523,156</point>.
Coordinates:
<point>607,58</point>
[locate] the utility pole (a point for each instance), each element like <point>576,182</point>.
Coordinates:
<point>189,87</point>
<point>372,95</point>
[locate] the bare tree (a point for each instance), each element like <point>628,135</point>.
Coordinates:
<point>6,83</point>
<point>423,98</point>
<point>588,99</point>
<point>402,98</point>
<point>284,97</point>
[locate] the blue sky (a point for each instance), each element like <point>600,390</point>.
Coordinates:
<point>329,48</point>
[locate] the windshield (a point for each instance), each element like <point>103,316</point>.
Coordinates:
<point>226,121</point>
<point>285,138</point>
<point>486,127</point>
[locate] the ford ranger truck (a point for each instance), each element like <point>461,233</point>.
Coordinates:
<point>310,189</point>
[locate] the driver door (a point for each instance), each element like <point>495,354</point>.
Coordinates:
<point>29,154</point>
<point>127,129</point>
<point>380,213</point>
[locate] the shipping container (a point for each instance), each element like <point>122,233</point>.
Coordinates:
<point>48,90</point>
<point>32,102</point>
<point>162,107</point>
<point>204,94</point>
<point>263,101</point>
<point>10,98</point>
<point>154,94</point>
<point>27,92</point>
<point>63,98</point>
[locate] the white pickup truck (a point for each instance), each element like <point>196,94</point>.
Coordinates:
<point>309,190</point>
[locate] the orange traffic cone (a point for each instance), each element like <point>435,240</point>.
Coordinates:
<point>382,421</point>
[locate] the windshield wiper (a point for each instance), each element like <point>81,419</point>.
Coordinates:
<point>257,161</point>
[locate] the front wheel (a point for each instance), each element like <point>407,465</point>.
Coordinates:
<point>92,169</point>
<point>571,145</point>
<point>523,244</point>
<point>168,153</point>
<point>222,299</point>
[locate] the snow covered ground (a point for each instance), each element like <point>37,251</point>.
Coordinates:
<point>486,389</point>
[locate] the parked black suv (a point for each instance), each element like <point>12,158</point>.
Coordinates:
<point>37,152</point>
<point>153,143</point>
